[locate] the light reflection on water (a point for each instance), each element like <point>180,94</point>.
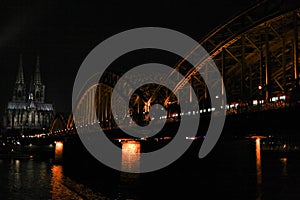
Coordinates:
<point>24,179</point>
<point>284,166</point>
<point>40,179</point>
<point>258,167</point>
<point>29,179</point>
<point>58,188</point>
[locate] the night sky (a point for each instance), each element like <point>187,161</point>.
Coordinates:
<point>62,33</point>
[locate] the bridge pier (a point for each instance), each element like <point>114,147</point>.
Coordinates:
<point>131,155</point>
<point>130,160</point>
<point>58,152</point>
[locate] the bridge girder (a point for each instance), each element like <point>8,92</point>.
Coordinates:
<point>239,48</point>
<point>256,47</point>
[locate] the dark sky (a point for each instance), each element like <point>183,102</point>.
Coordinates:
<point>63,32</point>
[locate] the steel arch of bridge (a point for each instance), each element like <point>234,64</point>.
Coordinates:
<point>259,46</point>
<point>257,52</point>
<point>95,99</point>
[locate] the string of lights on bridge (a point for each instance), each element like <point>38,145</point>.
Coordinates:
<point>232,108</point>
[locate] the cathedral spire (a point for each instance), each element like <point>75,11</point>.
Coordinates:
<point>20,75</point>
<point>38,87</point>
<point>19,92</point>
<point>37,75</point>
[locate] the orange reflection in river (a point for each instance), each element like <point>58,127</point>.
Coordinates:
<point>56,182</point>
<point>258,164</point>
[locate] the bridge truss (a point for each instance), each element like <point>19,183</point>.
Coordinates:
<point>257,53</point>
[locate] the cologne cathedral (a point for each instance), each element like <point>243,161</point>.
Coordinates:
<point>27,112</point>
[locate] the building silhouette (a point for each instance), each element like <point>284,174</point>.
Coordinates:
<point>28,112</point>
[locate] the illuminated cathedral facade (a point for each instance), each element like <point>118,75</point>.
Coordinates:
<point>28,112</point>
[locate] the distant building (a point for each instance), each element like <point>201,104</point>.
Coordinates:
<point>28,112</point>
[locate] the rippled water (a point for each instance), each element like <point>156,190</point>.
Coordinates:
<point>30,179</point>
<point>234,170</point>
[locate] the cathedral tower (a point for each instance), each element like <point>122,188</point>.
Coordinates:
<point>19,93</point>
<point>38,88</point>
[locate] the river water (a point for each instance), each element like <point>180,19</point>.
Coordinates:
<point>235,169</point>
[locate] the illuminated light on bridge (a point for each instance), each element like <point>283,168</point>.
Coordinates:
<point>274,103</point>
